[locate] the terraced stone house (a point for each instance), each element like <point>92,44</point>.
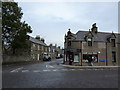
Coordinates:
<point>38,48</point>
<point>101,48</point>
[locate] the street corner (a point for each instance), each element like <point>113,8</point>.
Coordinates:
<point>91,67</point>
<point>67,65</point>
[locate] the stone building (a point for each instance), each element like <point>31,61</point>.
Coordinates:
<point>98,48</point>
<point>55,51</point>
<point>38,48</point>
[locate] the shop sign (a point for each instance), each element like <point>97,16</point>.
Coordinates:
<point>94,52</point>
<point>102,60</point>
<point>84,52</point>
<point>89,52</point>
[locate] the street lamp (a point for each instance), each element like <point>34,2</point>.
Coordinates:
<point>98,57</point>
<point>98,52</point>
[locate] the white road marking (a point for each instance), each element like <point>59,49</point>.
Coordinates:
<point>55,70</point>
<point>72,69</point>
<point>16,70</point>
<point>45,70</point>
<point>64,69</point>
<point>80,69</point>
<point>36,71</point>
<point>25,70</point>
<point>49,66</point>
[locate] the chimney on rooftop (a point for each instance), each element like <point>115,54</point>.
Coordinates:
<point>94,28</point>
<point>42,39</point>
<point>37,37</point>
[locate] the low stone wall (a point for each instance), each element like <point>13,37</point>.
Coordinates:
<point>16,58</point>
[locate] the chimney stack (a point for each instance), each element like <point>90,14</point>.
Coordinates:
<point>94,28</point>
<point>42,39</point>
<point>37,37</point>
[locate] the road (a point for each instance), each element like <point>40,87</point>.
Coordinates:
<point>51,74</point>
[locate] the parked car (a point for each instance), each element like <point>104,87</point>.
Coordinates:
<point>57,57</point>
<point>46,58</point>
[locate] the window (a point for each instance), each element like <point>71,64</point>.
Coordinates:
<point>69,43</point>
<point>113,42</point>
<point>89,42</point>
<point>76,58</point>
<point>38,47</point>
<point>33,45</point>
<point>42,48</point>
<point>113,56</point>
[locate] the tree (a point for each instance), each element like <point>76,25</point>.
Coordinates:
<point>14,31</point>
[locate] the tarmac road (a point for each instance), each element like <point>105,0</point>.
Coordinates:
<point>51,74</point>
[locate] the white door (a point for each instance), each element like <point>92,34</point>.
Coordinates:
<point>38,56</point>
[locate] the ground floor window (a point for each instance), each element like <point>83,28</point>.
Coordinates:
<point>113,56</point>
<point>91,57</point>
<point>76,58</point>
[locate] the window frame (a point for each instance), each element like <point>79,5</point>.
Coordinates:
<point>113,42</point>
<point>69,41</point>
<point>113,56</point>
<point>89,42</point>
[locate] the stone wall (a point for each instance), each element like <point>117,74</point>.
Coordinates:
<point>19,56</point>
<point>16,58</point>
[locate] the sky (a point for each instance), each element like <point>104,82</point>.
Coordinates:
<point>51,20</point>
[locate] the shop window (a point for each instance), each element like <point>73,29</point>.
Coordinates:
<point>89,41</point>
<point>94,58</point>
<point>113,56</point>
<point>76,58</point>
<point>113,42</point>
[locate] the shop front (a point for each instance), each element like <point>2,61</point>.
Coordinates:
<point>90,58</point>
<point>72,56</point>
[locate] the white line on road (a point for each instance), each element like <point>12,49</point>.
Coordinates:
<point>72,69</point>
<point>46,70</point>
<point>80,69</point>
<point>55,70</point>
<point>49,66</point>
<point>16,70</point>
<point>36,71</point>
<point>64,69</point>
<point>25,70</point>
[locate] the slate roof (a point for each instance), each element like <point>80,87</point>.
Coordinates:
<point>99,37</point>
<point>37,41</point>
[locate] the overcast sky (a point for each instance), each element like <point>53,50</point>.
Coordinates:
<point>51,20</point>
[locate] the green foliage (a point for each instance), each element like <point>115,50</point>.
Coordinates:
<point>14,32</point>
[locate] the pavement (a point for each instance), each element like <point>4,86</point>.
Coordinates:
<point>91,67</point>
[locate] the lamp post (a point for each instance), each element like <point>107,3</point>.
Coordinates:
<point>98,57</point>
<point>98,52</point>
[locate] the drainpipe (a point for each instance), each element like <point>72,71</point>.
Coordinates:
<point>64,57</point>
<point>106,55</point>
<point>81,53</point>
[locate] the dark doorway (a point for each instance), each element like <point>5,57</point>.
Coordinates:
<point>71,57</point>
